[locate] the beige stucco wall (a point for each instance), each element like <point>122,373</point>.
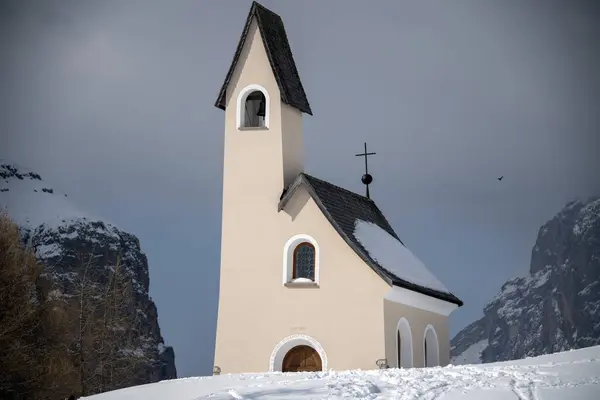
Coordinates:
<point>256,311</point>
<point>418,320</point>
<point>345,314</point>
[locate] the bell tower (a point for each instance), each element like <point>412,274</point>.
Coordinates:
<point>263,100</point>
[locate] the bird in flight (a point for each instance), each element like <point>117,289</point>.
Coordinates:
<point>501,178</point>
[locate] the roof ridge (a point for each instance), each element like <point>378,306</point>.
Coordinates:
<point>280,56</point>
<point>257,5</point>
<point>362,198</point>
<point>338,187</point>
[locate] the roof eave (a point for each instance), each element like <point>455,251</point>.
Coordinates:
<point>448,297</point>
<point>220,102</point>
<point>288,193</point>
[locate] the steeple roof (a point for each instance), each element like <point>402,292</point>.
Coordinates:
<point>280,57</point>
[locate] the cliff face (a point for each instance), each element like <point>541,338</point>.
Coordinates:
<point>83,257</point>
<point>556,307</point>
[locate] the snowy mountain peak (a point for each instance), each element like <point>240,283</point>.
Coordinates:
<point>556,306</point>
<point>572,225</point>
<point>31,202</point>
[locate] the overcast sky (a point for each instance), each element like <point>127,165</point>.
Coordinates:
<point>112,102</point>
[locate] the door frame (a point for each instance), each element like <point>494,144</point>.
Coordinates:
<point>285,345</point>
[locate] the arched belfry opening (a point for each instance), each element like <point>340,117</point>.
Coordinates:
<point>255,110</point>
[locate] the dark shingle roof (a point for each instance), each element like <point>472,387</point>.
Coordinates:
<point>343,208</point>
<point>280,57</point>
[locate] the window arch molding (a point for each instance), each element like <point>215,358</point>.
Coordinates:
<point>288,256</point>
<point>241,104</point>
<point>431,347</point>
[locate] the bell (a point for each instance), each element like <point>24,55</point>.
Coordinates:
<point>261,109</point>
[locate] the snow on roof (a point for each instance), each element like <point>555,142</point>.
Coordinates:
<point>31,202</point>
<point>393,256</point>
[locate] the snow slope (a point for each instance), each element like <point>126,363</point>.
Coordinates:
<point>573,375</point>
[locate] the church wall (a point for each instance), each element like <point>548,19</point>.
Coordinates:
<point>344,314</point>
<point>291,143</point>
<point>418,320</point>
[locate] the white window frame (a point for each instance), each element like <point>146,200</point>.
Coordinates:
<point>288,260</point>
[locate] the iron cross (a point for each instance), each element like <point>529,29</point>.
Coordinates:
<point>366,155</point>
<point>366,178</point>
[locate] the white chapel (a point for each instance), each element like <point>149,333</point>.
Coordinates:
<point>312,277</point>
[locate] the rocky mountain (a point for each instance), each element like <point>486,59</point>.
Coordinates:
<point>82,255</point>
<point>556,307</point>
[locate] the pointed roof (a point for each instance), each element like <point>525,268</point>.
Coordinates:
<point>343,209</point>
<point>280,57</point>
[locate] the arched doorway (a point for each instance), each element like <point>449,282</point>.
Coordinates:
<point>302,359</point>
<point>282,349</point>
<point>404,344</point>
<point>431,347</point>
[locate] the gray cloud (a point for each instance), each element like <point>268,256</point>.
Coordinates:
<point>113,101</point>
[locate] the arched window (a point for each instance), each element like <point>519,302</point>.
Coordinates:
<point>255,109</point>
<point>301,261</point>
<point>304,261</point>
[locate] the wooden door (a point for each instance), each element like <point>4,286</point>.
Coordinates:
<point>302,359</point>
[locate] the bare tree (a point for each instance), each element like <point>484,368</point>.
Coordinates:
<point>106,328</point>
<point>33,360</point>
<point>18,274</point>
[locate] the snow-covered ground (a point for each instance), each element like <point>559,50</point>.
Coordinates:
<point>572,375</point>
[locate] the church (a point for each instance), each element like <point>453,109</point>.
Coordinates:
<point>312,277</point>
